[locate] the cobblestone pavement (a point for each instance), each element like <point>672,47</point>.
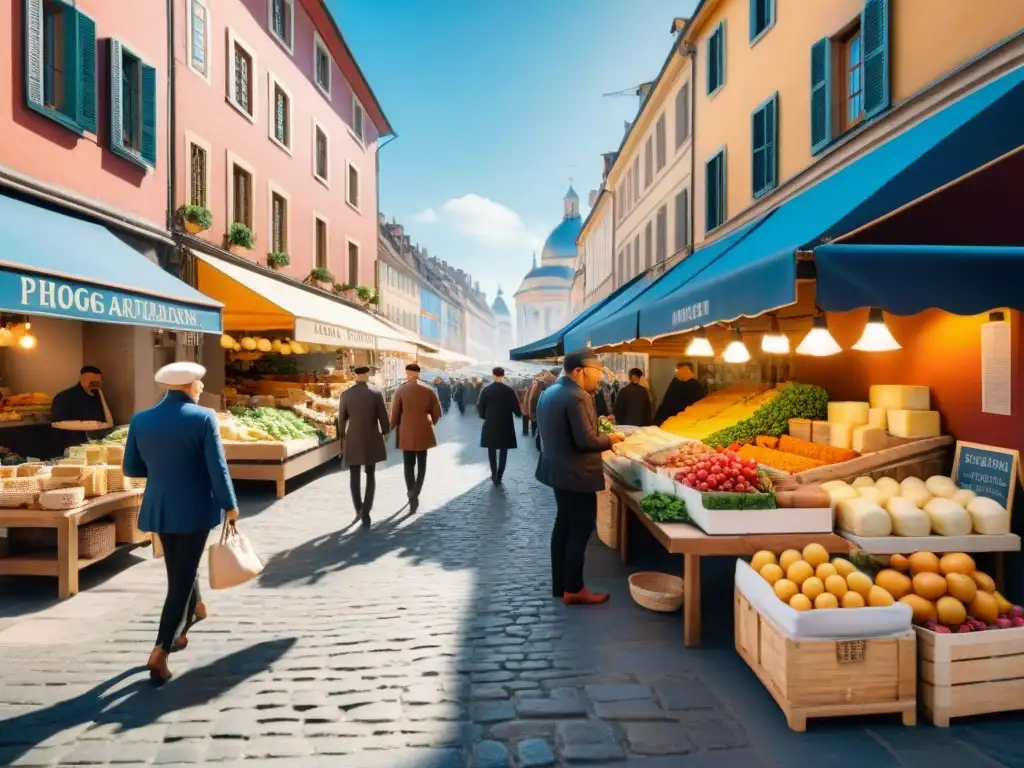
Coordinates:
<point>428,641</point>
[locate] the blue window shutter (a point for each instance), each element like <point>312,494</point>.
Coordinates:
<point>874,27</point>
<point>85,100</point>
<point>33,22</point>
<point>711,57</point>
<point>116,127</point>
<point>710,194</point>
<point>723,185</point>
<point>754,31</point>
<point>721,53</point>
<point>758,145</point>
<point>771,144</point>
<point>821,95</point>
<point>149,114</point>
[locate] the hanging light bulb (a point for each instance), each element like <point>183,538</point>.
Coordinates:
<point>775,342</point>
<point>736,351</point>
<point>699,345</point>
<point>819,342</point>
<point>6,336</point>
<point>27,341</point>
<point>876,336</point>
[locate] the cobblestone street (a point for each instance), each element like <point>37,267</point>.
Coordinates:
<point>428,641</point>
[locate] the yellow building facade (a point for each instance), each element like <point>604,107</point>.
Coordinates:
<point>786,91</point>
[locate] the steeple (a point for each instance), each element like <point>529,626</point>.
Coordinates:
<point>499,291</point>
<point>571,203</point>
<point>534,260</point>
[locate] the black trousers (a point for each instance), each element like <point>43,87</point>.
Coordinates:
<point>182,554</point>
<point>575,521</point>
<point>361,503</point>
<point>498,457</point>
<point>415,470</point>
<point>526,426</point>
<point>533,425</point>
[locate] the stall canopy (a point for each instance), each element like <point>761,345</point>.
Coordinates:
<point>958,279</point>
<point>563,339</point>
<point>254,302</point>
<point>54,264</point>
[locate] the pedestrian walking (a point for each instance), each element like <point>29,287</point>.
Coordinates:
<point>524,405</point>
<point>444,394</point>
<point>544,380</point>
<point>176,446</point>
<point>362,426</point>
<point>414,413</point>
<point>459,396</point>
<point>570,463</point>
<point>633,404</point>
<point>498,406</point>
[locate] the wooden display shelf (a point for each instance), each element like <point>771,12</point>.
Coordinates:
<point>692,543</point>
<point>901,545</point>
<point>281,471</point>
<point>65,562</point>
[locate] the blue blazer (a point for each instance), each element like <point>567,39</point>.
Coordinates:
<point>176,446</point>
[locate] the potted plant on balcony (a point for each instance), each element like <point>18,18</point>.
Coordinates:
<point>364,293</point>
<point>321,278</point>
<point>195,218</point>
<point>348,291</point>
<point>278,260</point>
<point>375,299</point>
<point>240,237</point>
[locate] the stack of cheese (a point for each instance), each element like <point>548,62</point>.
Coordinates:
<point>896,409</point>
<point>914,507</point>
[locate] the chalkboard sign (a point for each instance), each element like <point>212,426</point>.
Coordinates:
<point>988,471</point>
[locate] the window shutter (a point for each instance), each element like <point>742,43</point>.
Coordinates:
<point>149,115</point>
<point>758,148</point>
<point>771,134</point>
<point>116,101</point>
<point>85,101</point>
<point>710,193</point>
<point>753,18</point>
<point>686,219</point>
<point>821,95</point>
<point>721,53</point>
<point>874,26</point>
<point>712,61</point>
<point>34,52</point>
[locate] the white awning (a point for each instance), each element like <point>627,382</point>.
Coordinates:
<point>255,302</point>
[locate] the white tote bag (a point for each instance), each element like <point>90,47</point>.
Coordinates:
<point>233,561</point>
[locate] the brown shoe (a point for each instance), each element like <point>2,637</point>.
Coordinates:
<point>585,597</point>
<point>159,672</point>
<point>199,614</point>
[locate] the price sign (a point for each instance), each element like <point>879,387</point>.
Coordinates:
<point>987,470</point>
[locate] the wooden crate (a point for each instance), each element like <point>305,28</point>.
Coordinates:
<point>975,673</point>
<point>828,678</point>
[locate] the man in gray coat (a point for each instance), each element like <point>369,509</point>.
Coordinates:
<point>362,425</point>
<point>570,463</point>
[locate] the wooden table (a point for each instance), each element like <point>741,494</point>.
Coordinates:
<point>693,544</point>
<point>278,470</point>
<point>66,565</point>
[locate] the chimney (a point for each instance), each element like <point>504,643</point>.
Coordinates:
<point>626,125</point>
<point>642,90</point>
<point>677,24</point>
<point>608,160</point>
<point>424,253</point>
<point>382,219</point>
<point>592,198</point>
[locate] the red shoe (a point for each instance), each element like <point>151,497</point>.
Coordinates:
<point>585,597</point>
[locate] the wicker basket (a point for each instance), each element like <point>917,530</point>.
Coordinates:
<point>657,591</point>
<point>115,479</point>
<point>608,519</point>
<point>70,471</point>
<point>94,480</point>
<point>126,524</point>
<point>134,483</point>
<point>8,470</point>
<point>52,483</point>
<point>94,540</point>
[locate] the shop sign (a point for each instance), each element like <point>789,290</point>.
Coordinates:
<point>37,295</point>
<point>316,332</point>
<point>988,471</point>
<point>691,314</point>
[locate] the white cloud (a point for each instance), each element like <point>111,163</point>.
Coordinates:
<point>426,216</point>
<point>487,222</point>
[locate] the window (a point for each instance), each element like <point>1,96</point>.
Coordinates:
<point>661,234</point>
<point>636,180</point>
<point>241,195</point>
<point>648,245</point>
<point>762,16</point>
<point>358,120</point>
<point>280,102</point>
<point>278,222</point>
<point>282,21</point>
<point>714,189</point>
<point>648,162</point>
<point>716,59</point>
<point>60,64</point>
<point>659,137</point>
<point>353,263</point>
<point>132,106</point>
<point>764,140</point>
<point>853,86</point>
<point>682,114</point>
<point>352,186</point>
<point>241,77</point>
<point>198,39</point>
<point>682,221</point>
<point>320,235</point>
<point>321,64</point>
<point>199,171</point>
<point>321,153</point>
<point>636,245</point>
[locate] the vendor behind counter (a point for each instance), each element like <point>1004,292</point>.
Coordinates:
<point>683,391</point>
<point>83,402</point>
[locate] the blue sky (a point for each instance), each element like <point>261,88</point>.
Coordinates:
<point>496,106</point>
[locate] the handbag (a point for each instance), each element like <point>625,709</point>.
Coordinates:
<point>232,559</point>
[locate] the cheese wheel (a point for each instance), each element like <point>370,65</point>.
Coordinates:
<point>863,517</point>
<point>907,518</point>
<point>940,485</point>
<point>988,516</point>
<point>948,518</point>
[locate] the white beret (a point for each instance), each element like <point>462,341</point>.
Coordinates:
<point>179,374</point>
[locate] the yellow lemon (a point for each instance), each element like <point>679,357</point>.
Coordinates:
<point>771,573</point>
<point>799,572</point>
<point>812,587</point>
<point>826,600</point>
<point>859,583</point>
<point>852,600</point>
<point>761,559</point>
<point>836,585</point>
<point>800,603</point>
<point>825,570</point>
<point>815,554</point>
<point>789,557</point>
<point>785,589</point>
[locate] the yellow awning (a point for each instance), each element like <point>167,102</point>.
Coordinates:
<point>257,302</point>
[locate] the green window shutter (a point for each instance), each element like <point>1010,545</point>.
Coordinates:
<point>149,115</point>
<point>874,26</point>
<point>754,31</point>
<point>721,53</point>
<point>771,136</point>
<point>821,95</point>
<point>758,148</point>
<point>85,99</point>
<point>33,22</point>
<point>116,101</point>
<point>712,60</point>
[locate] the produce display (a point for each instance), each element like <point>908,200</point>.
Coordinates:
<point>721,471</point>
<point>780,460</point>
<point>676,457</point>
<point>233,430</point>
<point>793,401</point>
<point>662,508</point>
<point>914,507</point>
<point>276,423</point>
<point>34,405</point>
<point>643,441</point>
<point>720,409</point>
<point>809,580</point>
<point>605,425</point>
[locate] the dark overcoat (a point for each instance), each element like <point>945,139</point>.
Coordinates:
<point>414,412</point>
<point>362,424</point>
<point>571,444</point>
<point>498,405</point>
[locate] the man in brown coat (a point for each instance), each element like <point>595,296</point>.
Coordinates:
<point>544,380</point>
<point>414,413</point>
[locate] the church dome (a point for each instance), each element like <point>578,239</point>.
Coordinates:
<point>560,247</point>
<point>499,307</point>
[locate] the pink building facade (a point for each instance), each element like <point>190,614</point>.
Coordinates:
<point>276,128</point>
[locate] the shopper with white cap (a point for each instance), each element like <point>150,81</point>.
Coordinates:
<point>176,446</point>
